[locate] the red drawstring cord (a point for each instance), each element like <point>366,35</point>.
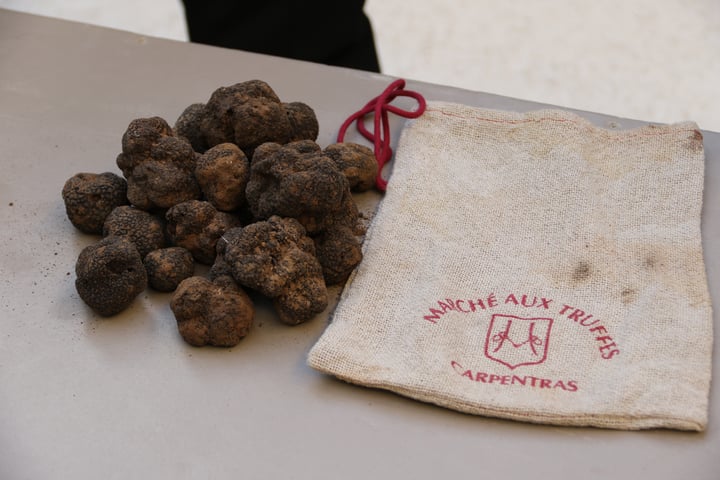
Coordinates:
<point>380,136</point>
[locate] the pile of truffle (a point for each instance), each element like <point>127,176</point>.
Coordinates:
<point>240,184</point>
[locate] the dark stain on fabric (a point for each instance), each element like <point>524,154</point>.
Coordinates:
<point>582,272</point>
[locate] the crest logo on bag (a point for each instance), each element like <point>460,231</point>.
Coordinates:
<point>516,341</point>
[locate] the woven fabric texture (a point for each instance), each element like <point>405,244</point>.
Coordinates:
<point>533,266</point>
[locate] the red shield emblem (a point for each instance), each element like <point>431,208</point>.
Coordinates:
<point>515,341</point>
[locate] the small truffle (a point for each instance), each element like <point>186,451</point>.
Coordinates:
<point>303,122</point>
<point>212,313</point>
<point>145,230</point>
<point>110,274</point>
<point>188,126</point>
<point>357,162</point>
<point>167,267</point>
<point>339,252</point>
<point>276,258</point>
<point>90,197</point>
<point>159,167</point>
<point>196,225</point>
<point>223,172</point>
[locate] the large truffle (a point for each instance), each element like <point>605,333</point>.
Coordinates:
<point>110,274</point>
<point>297,180</point>
<point>159,167</point>
<point>196,225</point>
<point>212,313</point>
<point>276,258</point>
<point>145,230</point>
<point>90,197</point>
<point>250,113</point>
<point>223,172</point>
<point>167,267</point>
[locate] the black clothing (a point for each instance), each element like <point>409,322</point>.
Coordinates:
<point>333,32</point>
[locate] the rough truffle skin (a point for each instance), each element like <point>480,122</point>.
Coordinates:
<point>223,172</point>
<point>297,180</point>
<point>250,113</point>
<point>167,267</point>
<point>303,122</point>
<point>145,230</point>
<point>339,252</point>
<point>302,299</point>
<point>212,313</point>
<point>357,162</point>
<point>110,274</point>
<point>90,197</point>
<point>196,225</point>
<point>159,167</point>
<point>276,258</point>
<point>247,114</point>
<point>187,125</point>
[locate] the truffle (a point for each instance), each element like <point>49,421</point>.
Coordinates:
<point>339,252</point>
<point>145,230</point>
<point>223,172</point>
<point>215,313</point>
<point>297,180</point>
<point>90,197</point>
<point>167,267</point>
<point>110,274</point>
<point>196,225</point>
<point>250,113</point>
<point>159,167</point>
<point>276,258</point>
<point>357,162</point>
<point>188,126</point>
<point>303,122</point>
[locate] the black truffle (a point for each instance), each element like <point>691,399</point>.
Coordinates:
<point>297,180</point>
<point>215,313</point>
<point>90,197</point>
<point>167,267</point>
<point>276,258</point>
<point>159,166</point>
<point>145,230</point>
<point>250,113</point>
<point>357,162</point>
<point>223,172</point>
<point>196,225</point>
<point>110,274</point>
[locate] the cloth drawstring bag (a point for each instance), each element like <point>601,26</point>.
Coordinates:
<point>534,267</point>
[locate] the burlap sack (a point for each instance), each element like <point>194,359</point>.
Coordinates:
<point>537,268</point>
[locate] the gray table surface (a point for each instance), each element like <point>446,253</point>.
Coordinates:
<point>125,397</point>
